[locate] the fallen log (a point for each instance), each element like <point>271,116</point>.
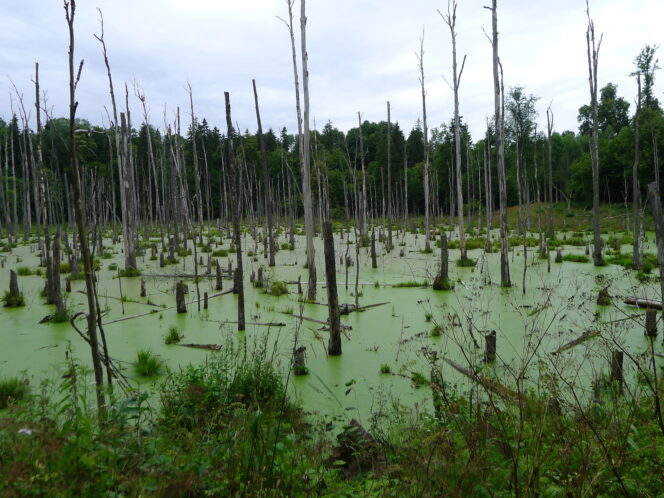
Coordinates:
<point>643,303</point>
<point>589,334</point>
<point>488,384</point>
<point>209,347</point>
<point>257,324</point>
<point>228,291</point>
<point>345,309</point>
<point>321,322</point>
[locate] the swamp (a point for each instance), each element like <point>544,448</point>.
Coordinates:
<point>190,310</point>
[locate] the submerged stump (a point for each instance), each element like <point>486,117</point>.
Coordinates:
<point>179,297</point>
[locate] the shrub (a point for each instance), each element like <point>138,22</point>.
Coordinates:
<point>411,283</point>
<point>205,393</point>
<point>466,262</point>
<point>130,272</point>
<point>576,258</point>
<point>220,253</point>
<point>278,288</point>
<point>385,369</point>
<point>24,271</point>
<point>147,364</point>
<point>440,283</point>
<point>13,301</point>
<point>436,331</point>
<point>12,389</point>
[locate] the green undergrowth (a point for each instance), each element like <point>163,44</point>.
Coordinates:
<point>227,427</point>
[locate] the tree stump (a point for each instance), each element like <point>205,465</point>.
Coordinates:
<point>651,323</point>
<point>68,286</point>
<point>299,364</point>
<point>143,293</point>
<point>617,369</point>
<point>161,260</point>
<point>559,255</point>
<point>219,283</point>
<point>374,263</point>
<point>334,343</point>
<point>299,285</point>
<point>259,280</point>
<point>490,352</point>
<point>13,285</point>
<point>179,297</point>
<point>603,298</point>
<point>205,301</point>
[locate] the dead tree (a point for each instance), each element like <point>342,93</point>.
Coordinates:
<point>549,130</point>
<point>389,179</point>
<point>450,20</point>
<point>70,10</point>
<point>238,282</point>
<point>266,180</point>
<point>334,344</point>
<point>425,130</point>
<point>197,170</point>
<point>500,148</point>
<point>593,56</point>
<point>123,158</point>
<point>637,249</point>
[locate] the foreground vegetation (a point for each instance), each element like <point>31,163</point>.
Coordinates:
<point>228,427</point>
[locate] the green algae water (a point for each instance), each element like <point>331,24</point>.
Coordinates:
<point>387,348</point>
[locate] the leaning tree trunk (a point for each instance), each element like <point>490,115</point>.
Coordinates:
<point>70,9</point>
<point>266,179</point>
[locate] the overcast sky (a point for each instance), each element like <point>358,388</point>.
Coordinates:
<point>361,54</point>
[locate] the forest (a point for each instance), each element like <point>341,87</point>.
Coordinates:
<point>194,308</point>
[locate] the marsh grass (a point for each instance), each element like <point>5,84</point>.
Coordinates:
<point>147,364</point>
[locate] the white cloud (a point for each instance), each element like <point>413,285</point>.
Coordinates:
<point>361,54</point>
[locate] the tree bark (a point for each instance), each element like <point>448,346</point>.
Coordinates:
<point>70,10</point>
<point>334,344</point>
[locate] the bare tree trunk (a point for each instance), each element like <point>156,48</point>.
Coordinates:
<point>450,20</point>
<point>239,278</point>
<point>266,179</point>
<point>549,130</point>
<point>389,179</point>
<point>425,131</point>
<point>593,55</point>
<point>122,152</point>
<point>637,254</point>
<point>500,147</point>
<point>362,208</point>
<point>70,9</point>
<point>197,170</point>
<point>334,344</point>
